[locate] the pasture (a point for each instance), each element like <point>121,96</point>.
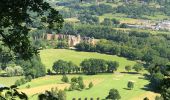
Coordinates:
<point>102,84</point>
<point>49,56</point>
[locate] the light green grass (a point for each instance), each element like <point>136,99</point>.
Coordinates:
<point>8,81</point>
<point>100,89</point>
<point>112,81</point>
<point>49,56</point>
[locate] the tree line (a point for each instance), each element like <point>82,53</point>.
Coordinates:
<point>88,66</point>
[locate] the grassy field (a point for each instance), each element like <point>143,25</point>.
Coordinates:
<point>49,56</point>
<point>8,81</point>
<point>102,84</point>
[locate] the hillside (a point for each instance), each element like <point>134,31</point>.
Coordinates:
<point>49,56</point>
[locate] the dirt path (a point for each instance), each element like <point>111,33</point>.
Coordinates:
<point>41,89</point>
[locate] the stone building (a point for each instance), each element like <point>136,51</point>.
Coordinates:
<point>71,39</point>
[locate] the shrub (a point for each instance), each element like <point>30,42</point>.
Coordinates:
<point>28,78</point>
<point>130,85</point>
<point>128,68</point>
<point>74,99</point>
<point>81,85</point>
<point>113,94</point>
<point>74,79</point>
<point>65,79</point>
<point>49,72</point>
<point>90,85</point>
<point>28,86</point>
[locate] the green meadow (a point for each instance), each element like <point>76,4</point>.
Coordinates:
<point>49,56</point>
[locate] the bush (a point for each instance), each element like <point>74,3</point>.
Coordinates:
<point>74,79</point>
<point>28,86</point>
<point>128,68</point>
<point>72,86</point>
<point>49,72</point>
<point>65,79</point>
<point>90,85</point>
<point>28,78</point>
<point>130,85</point>
<point>74,99</point>
<point>81,85</point>
<point>113,94</point>
<point>17,83</point>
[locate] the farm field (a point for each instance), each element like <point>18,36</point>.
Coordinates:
<point>49,56</point>
<point>102,84</point>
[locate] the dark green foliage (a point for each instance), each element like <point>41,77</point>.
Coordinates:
<point>123,25</point>
<point>61,95</point>
<point>130,85</point>
<point>28,86</point>
<point>12,93</point>
<point>107,22</point>
<point>49,72</point>
<point>77,83</point>
<point>94,66</point>
<point>128,68</point>
<point>32,67</point>
<point>74,79</point>
<point>88,19</point>
<point>165,89</point>
<point>28,78</point>
<point>62,45</point>
<point>136,11</point>
<point>54,94</point>
<point>14,33</point>
<point>21,81</point>
<point>100,9</point>
<point>63,67</point>
<point>146,98</point>
<point>113,94</point>
<point>90,85</point>
<point>138,67</point>
<point>65,79</point>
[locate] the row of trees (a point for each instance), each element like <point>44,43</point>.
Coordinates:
<point>94,66</point>
<point>63,67</point>
<point>88,66</point>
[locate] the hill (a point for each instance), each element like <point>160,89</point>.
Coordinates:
<point>49,56</point>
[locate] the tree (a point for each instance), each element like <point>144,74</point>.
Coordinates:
<point>128,68</point>
<point>60,66</point>
<point>65,79</point>
<point>28,78</point>
<point>18,70</point>
<point>10,71</point>
<point>165,89</point>
<point>112,66</point>
<point>107,22</point>
<point>113,94</point>
<point>90,85</point>
<point>130,85</point>
<point>16,21</point>
<point>138,67</point>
